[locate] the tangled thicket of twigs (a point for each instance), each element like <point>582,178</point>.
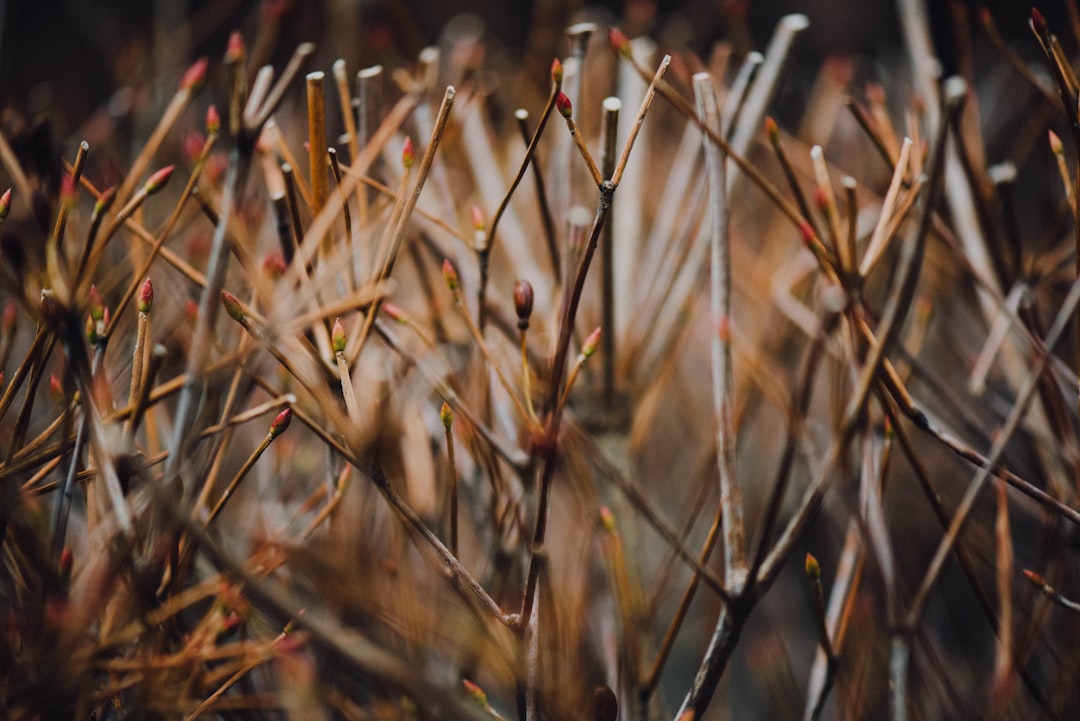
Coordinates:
<point>403,476</point>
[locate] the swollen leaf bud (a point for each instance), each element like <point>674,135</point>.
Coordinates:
<point>397,313</point>
<point>281,422</point>
<point>556,73</point>
<point>146,297</point>
<point>158,180</point>
<point>95,305</point>
<point>213,120</point>
<point>813,570</point>
<point>195,76</point>
<point>408,154</point>
<point>592,342</point>
<point>475,693</point>
<point>235,51</point>
<point>607,519</point>
<point>772,130</point>
<point>619,42</point>
<point>446,414</point>
<point>337,337</point>
<point>5,204</point>
<point>523,299</point>
<point>563,104</point>
<point>451,276</point>
<point>233,307</point>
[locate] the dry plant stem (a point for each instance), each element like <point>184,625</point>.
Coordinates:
<point>169,117</point>
<point>341,80</point>
<point>62,213</point>
<point>522,118</point>
<point>209,304</point>
<point>18,175</point>
<point>335,167</point>
<point>734,616</point>
<point>565,331</point>
<point>300,185</point>
<point>453,491</point>
<point>142,234</point>
<point>235,482</point>
<point>722,374</point>
<point>288,177</point>
<point>530,151</point>
<point>343,645</point>
<point>1052,593</point>
<point>474,330</point>
<point>967,504</point>
<point>210,301</point>
<point>352,407</point>
<point>162,236</point>
<point>518,460</point>
<point>683,107</point>
<point>142,332</point>
<point>793,183</point>
<point>579,142</point>
<point>879,239</point>
<point>1015,61</point>
<point>402,225</point>
<point>737,94</point>
<point>867,125</point>
<point>320,182</point>
<point>609,133</point>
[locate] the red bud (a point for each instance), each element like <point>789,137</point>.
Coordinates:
<point>281,423</point>
<point>408,154</point>
<point>213,120</point>
<point>563,104</point>
<point>619,42</point>
<point>772,130</point>
<point>235,51</point>
<point>523,299</point>
<point>556,73</point>
<point>195,76</point>
<point>146,297</point>
<point>451,276</point>
<point>5,204</point>
<point>158,180</point>
<point>396,313</point>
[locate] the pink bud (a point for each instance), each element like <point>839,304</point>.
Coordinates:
<point>337,337</point>
<point>5,204</point>
<point>158,180</point>
<point>556,72</point>
<point>563,104</point>
<point>213,120</point>
<point>408,154</point>
<point>592,342</point>
<point>619,42</point>
<point>195,75</point>
<point>281,423</point>
<point>396,313</point>
<point>146,297</point>
<point>451,276</point>
<point>235,51</point>
<point>95,305</point>
<point>233,307</point>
